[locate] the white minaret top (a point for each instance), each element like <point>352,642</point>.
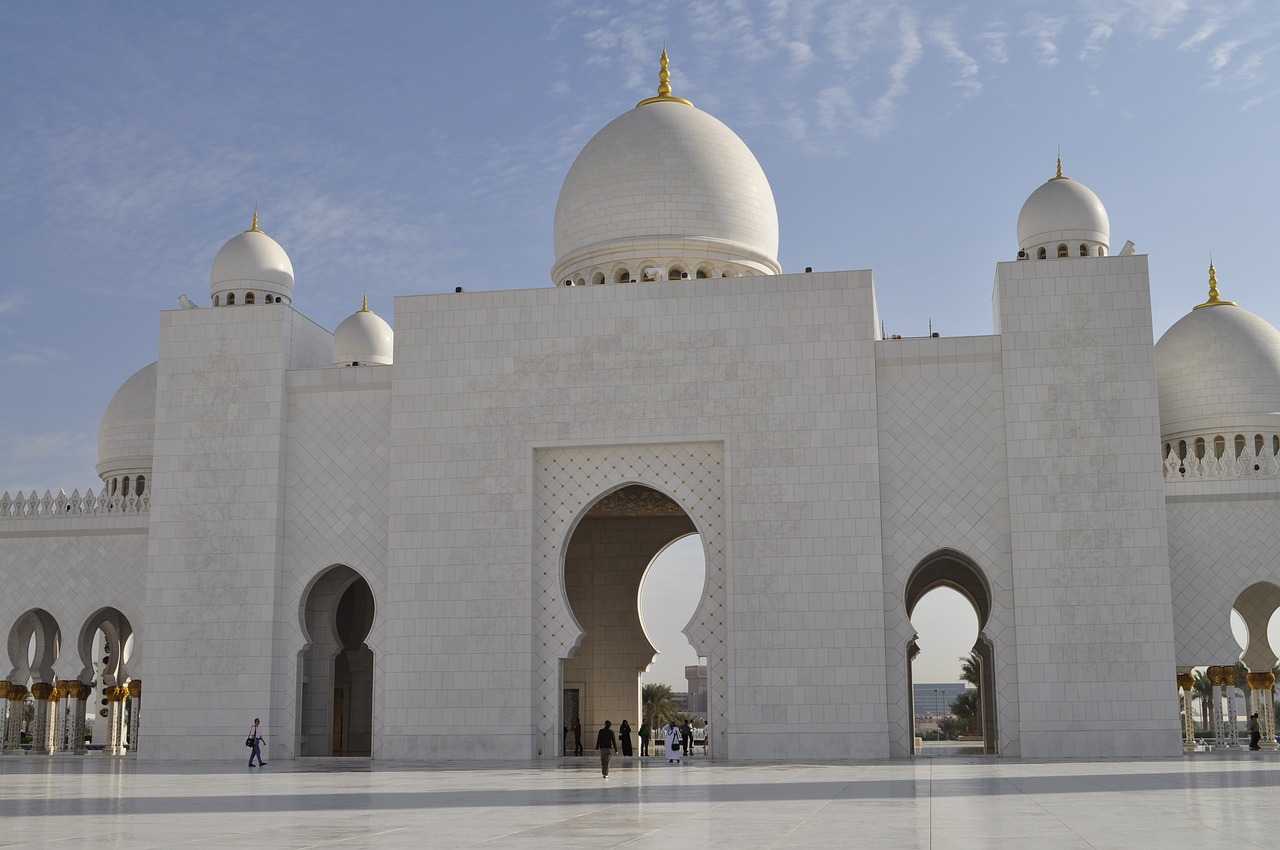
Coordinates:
<point>251,268</point>
<point>1063,218</point>
<point>363,339</point>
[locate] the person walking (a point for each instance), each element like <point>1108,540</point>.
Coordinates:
<point>255,741</point>
<point>671,732</point>
<point>686,737</point>
<point>645,734</point>
<point>1255,732</point>
<point>577,736</point>
<point>607,744</point>
<point>624,734</point>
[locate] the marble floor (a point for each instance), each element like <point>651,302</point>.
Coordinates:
<point>1202,801</point>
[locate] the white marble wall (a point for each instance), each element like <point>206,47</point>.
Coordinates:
<point>1220,545</point>
<point>943,486</point>
<point>336,490</point>
<point>73,567</point>
<point>1086,495</point>
<point>781,369</point>
<point>217,523</point>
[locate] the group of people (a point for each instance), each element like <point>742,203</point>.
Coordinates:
<point>676,740</point>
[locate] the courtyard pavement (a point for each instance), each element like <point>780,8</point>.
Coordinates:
<point>1206,800</point>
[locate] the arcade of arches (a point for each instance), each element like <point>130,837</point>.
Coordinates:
<point>609,552</point>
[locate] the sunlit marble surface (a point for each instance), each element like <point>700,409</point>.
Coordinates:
<point>1203,801</point>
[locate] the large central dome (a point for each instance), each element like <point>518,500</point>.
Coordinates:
<point>664,190</point>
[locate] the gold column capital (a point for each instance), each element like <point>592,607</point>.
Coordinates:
<point>17,693</point>
<point>116,693</point>
<point>1262,681</point>
<point>4,689</point>
<point>135,688</point>
<point>42,690</point>
<point>1215,675</point>
<point>1186,681</point>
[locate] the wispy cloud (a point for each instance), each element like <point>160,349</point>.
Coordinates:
<point>944,35</point>
<point>10,303</point>
<point>30,355</point>
<point>1044,32</point>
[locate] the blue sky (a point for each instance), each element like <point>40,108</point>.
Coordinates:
<point>401,148</point>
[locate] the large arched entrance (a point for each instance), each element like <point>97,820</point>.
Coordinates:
<point>571,482</point>
<point>337,666</point>
<point>605,562</point>
<point>950,569</point>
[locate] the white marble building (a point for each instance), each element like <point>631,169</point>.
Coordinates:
<point>381,545</point>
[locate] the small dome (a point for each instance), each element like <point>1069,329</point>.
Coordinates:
<point>1218,369</point>
<point>126,437</point>
<point>251,264</point>
<point>363,339</point>
<point>1063,212</point>
<point>666,186</point>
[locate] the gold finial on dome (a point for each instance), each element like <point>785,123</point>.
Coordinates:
<point>1059,176</point>
<point>364,308</point>
<point>664,86</point>
<point>254,228</point>
<point>1214,299</point>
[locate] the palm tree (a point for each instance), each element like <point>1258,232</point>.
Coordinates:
<point>1203,691</point>
<point>965,709</point>
<point>657,704</point>
<point>971,672</point>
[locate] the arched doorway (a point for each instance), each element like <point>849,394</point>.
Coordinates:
<point>568,482</point>
<point>606,560</point>
<point>105,645</point>
<point>950,569</point>
<point>34,645</point>
<point>337,666</point>
<point>1256,606</point>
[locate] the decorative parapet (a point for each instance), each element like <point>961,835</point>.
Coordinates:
<point>1221,457</point>
<point>62,505</point>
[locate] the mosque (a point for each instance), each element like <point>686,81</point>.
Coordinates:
<point>426,543</point>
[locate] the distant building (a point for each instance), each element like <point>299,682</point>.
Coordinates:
<point>933,700</point>
<point>696,675</point>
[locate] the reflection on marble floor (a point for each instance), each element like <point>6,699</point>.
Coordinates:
<point>1202,801</point>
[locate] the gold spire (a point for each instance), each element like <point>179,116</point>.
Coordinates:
<point>254,229</point>
<point>364,308</point>
<point>1059,176</point>
<point>664,86</point>
<point>1214,299</point>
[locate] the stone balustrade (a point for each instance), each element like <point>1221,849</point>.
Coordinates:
<point>50,506</point>
<point>1221,457</point>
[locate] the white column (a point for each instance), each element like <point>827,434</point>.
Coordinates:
<point>13,733</point>
<point>135,713</point>
<point>44,733</point>
<point>1215,680</point>
<point>1186,682</point>
<point>1233,733</point>
<point>4,715</point>
<point>115,721</point>
<point>76,694</point>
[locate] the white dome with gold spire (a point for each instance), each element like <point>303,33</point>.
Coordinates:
<point>251,268</point>
<point>664,190</point>
<point>1218,369</point>
<point>1063,218</point>
<point>363,339</point>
